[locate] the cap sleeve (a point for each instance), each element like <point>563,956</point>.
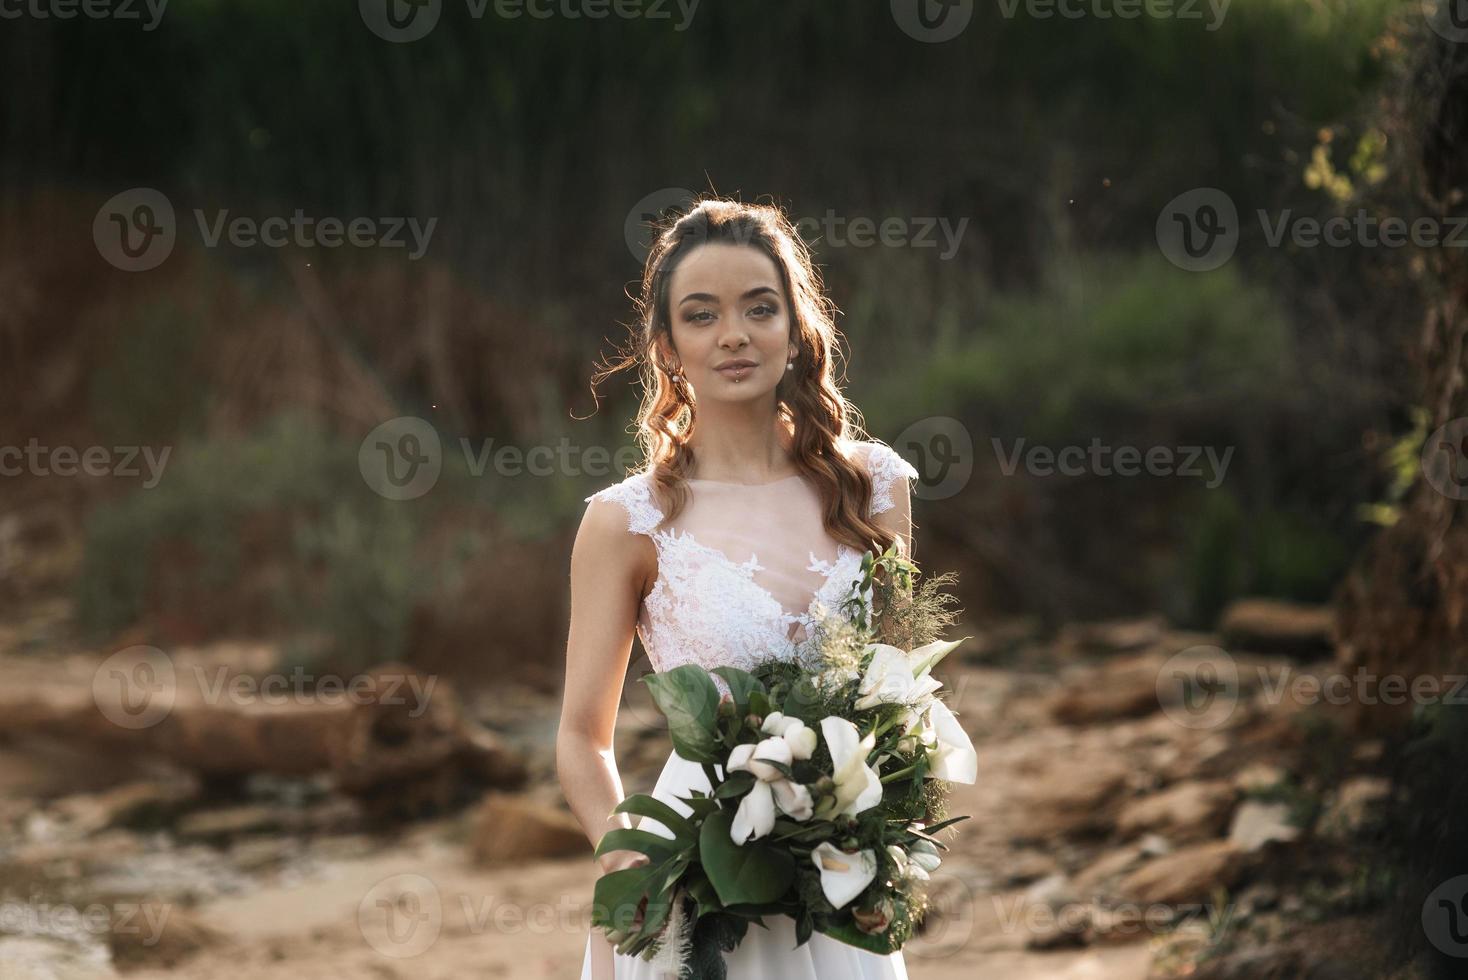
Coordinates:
<point>885,467</point>
<point>635,497</point>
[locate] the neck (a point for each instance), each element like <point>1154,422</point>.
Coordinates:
<point>742,442</point>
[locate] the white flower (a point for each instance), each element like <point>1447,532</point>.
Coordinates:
<point>844,875</point>
<point>925,856</point>
<point>857,785</point>
<point>756,814</point>
<point>802,739</point>
<point>952,757</point>
<point>898,676</point>
<point>889,678</point>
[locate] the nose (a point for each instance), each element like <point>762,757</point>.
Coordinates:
<point>734,338</point>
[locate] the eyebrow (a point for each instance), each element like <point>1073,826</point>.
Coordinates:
<point>749,294</point>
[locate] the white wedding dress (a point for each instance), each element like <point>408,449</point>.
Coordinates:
<point>742,571</point>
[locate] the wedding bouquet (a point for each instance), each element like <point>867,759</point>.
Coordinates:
<point>835,763</point>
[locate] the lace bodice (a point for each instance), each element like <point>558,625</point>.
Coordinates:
<point>744,571</point>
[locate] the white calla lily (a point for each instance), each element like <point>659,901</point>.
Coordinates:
<point>857,785</point>
<point>756,814</point>
<point>895,676</point>
<point>844,875</point>
<point>924,855</point>
<point>953,757</point>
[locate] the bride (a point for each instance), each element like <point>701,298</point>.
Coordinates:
<point>749,517</point>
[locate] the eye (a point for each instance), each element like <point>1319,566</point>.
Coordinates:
<point>699,316</point>
<point>764,309</point>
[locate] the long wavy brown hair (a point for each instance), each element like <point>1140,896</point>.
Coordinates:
<point>809,403</point>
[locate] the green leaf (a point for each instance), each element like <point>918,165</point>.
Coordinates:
<point>644,805</point>
<point>616,895</point>
<point>657,848</point>
<point>701,806</point>
<point>848,933</point>
<point>736,785</point>
<point>754,872</point>
<point>687,696</point>
<point>742,685</point>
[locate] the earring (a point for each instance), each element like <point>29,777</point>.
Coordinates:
<point>790,365</point>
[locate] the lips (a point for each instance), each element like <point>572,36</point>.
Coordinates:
<point>735,370</point>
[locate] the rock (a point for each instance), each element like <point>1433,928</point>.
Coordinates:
<point>1189,874</point>
<point>143,801</point>
<point>1357,803</point>
<point>1125,687</point>
<point>1256,823</point>
<point>1185,812</point>
<point>158,935</point>
<point>50,958</point>
<point>1055,914</point>
<point>1099,875</point>
<point>1114,635</point>
<point>1154,845</point>
<point>1026,865</point>
<point>508,829</point>
<point>1073,796</point>
<point>1258,776</point>
<point>1274,963</point>
<point>222,824</point>
<point>1276,626</point>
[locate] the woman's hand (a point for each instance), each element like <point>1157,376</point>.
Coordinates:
<point>620,860</point>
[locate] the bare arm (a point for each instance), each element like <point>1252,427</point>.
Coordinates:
<point>609,568</point>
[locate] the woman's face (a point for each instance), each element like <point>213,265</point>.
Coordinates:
<point>730,322</point>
